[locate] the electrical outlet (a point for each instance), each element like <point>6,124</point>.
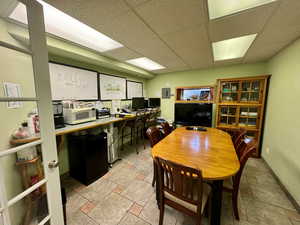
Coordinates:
<point>268,150</point>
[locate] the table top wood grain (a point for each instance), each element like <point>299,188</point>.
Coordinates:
<point>211,151</point>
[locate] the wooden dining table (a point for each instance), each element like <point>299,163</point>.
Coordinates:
<point>210,151</point>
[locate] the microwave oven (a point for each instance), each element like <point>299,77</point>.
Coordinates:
<point>79,115</point>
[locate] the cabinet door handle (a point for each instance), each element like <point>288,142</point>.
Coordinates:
<point>53,164</point>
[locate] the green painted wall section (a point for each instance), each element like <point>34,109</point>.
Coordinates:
<point>282,123</point>
<point>16,68</point>
<point>197,77</point>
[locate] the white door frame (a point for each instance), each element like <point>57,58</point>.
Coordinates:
<point>43,99</point>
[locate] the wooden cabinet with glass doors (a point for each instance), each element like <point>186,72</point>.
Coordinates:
<point>240,104</point>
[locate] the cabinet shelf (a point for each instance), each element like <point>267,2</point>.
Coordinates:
<point>240,103</point>
<point>237,127</point>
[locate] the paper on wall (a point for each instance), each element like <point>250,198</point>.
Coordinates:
<point>13,90</point>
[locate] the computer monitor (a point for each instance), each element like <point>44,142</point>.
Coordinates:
<point>138,103</point>
<point>146,103</point>
<point>193,114</point>
<point>154,102</point>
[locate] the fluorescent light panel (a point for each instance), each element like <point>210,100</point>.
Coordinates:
<point>145,63</point>
<point>232,48</point>
<point>67,27</point>
<point>220,8</point>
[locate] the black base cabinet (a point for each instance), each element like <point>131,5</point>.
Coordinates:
<point>88,157</point>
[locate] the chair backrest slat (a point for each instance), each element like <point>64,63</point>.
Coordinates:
<point>182,182</point>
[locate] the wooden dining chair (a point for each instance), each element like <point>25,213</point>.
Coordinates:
<point>181,188</point>
<point>232,185</point>
<point>154,135</point>
<point>238,136</point>
<point>167,129</point>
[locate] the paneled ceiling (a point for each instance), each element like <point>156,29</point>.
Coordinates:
<point>178,34</point>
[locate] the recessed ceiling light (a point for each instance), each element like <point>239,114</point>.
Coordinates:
<point>232,48</point>
<point>145,63</point>
<point>220,8</point>
<point>69,28</point>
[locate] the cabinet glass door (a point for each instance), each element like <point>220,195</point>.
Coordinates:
<point>228,115</point>
<point>250,91</point>
<point>249,116</point>
<point>229,91</point>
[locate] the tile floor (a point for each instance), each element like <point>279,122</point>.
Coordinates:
<point>124,196</point>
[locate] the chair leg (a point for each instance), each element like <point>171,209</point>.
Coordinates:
<point>122,147</point>
<point>131,134</point>
<point>154,175</point>
<point>136,141</point>
<point>161,214</point>
<point>143,137</point>
<point>235,204</point>
<point>198,222</point>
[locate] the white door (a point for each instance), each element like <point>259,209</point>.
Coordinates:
<point>29,184</point>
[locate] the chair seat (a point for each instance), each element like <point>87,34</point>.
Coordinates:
<point>228,183</point>
<point>192,207</point>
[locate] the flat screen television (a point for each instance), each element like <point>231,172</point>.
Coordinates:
<point>154,102</point>
<point>193,114</point>
<point>138,103</point>
<point>146,103</point>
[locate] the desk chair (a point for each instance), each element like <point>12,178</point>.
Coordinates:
<point>154,135</point>
<point>182,188</point>
<point>152,121</point>
<point>167,129</point>
<point>232,185</point>
<point>136,125</point>
<point>121,128</point>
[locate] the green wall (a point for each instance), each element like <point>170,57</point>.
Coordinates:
<point>15,68</point>
<point>282,124</point>
<point>197,77</point>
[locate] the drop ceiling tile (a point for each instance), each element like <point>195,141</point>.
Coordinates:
<point>264,50</point>
<point>128,29</point>
<point>228,62</point>
<point>241,24</point>
<point>135,3</point>
<point>171,15</point>
<point>158,51</point>
<point>122,54</point>
<point>288,14</point>
<point>192,45</point>
<point>282,29</point>
<point>91,12</point>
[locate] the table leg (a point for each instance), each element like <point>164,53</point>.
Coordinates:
<point>156,182</point>
<point>216,206</point>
